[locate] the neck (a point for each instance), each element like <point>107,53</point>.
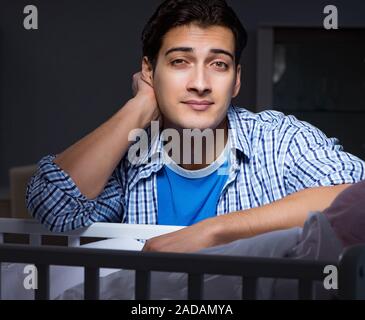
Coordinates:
<point>209,151</point>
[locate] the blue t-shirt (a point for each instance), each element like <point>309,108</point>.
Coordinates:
<point>186,197</point>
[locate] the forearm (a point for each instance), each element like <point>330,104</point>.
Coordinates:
<point>91,161</point>
<point>285,213</point>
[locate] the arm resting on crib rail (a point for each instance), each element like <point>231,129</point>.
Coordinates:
<point>285,213</point>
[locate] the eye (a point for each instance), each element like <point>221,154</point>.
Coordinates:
<point>221,65</point>
<point>178,62</point>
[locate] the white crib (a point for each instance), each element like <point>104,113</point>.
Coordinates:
<point>351,266</point>
<point>127,233</point>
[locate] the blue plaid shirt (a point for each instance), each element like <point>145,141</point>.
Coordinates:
<point>271,156</point>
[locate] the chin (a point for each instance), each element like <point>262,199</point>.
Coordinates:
<point>190,119</point>
<point>195,122</point>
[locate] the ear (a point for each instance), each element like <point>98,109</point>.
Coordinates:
<point>147,71</point>
<point>237,85</point>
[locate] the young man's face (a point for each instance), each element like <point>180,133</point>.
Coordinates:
<point>195,76</point>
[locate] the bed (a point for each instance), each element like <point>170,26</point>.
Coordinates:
<point>85,266</point>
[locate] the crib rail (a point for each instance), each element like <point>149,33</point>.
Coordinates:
<point>351,266</point>
<point>195,265</point>
<point>36,231</point>
<point>97,230</point>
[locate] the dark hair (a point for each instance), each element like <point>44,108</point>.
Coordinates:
<point>204,13</point>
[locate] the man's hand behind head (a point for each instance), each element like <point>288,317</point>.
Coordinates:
<point>144,93</point>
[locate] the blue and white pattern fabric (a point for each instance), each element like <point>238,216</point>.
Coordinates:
<point>271,156</point>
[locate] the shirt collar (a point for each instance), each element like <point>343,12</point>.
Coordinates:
<point>239,132</point>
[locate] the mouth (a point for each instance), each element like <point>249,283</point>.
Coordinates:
<point>199,105</point>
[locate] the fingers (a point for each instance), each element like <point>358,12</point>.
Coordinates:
<point>136,82</point>
<point>146,81</point>
<point>134,88</point>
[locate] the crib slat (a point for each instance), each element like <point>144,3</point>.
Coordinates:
<point>142,285</point>
<point>195,287</point>
<point>249,286</point>
<point>73,241</point>
<point>1,272</point>
<point>91,286</point>
<point>42,293</point>
<point>305,289</point>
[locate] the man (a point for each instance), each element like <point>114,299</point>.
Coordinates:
<point>276,169</point>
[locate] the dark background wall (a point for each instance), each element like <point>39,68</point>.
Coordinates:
<point>61,81</point>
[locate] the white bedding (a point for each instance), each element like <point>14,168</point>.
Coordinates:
<point>61,278</point>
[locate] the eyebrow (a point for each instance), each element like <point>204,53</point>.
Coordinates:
<point>188,49</point>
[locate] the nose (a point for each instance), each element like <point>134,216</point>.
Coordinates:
<point>199,82</point>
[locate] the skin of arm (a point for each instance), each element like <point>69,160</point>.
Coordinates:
<point>91,161</point>
<point>290,211</point>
